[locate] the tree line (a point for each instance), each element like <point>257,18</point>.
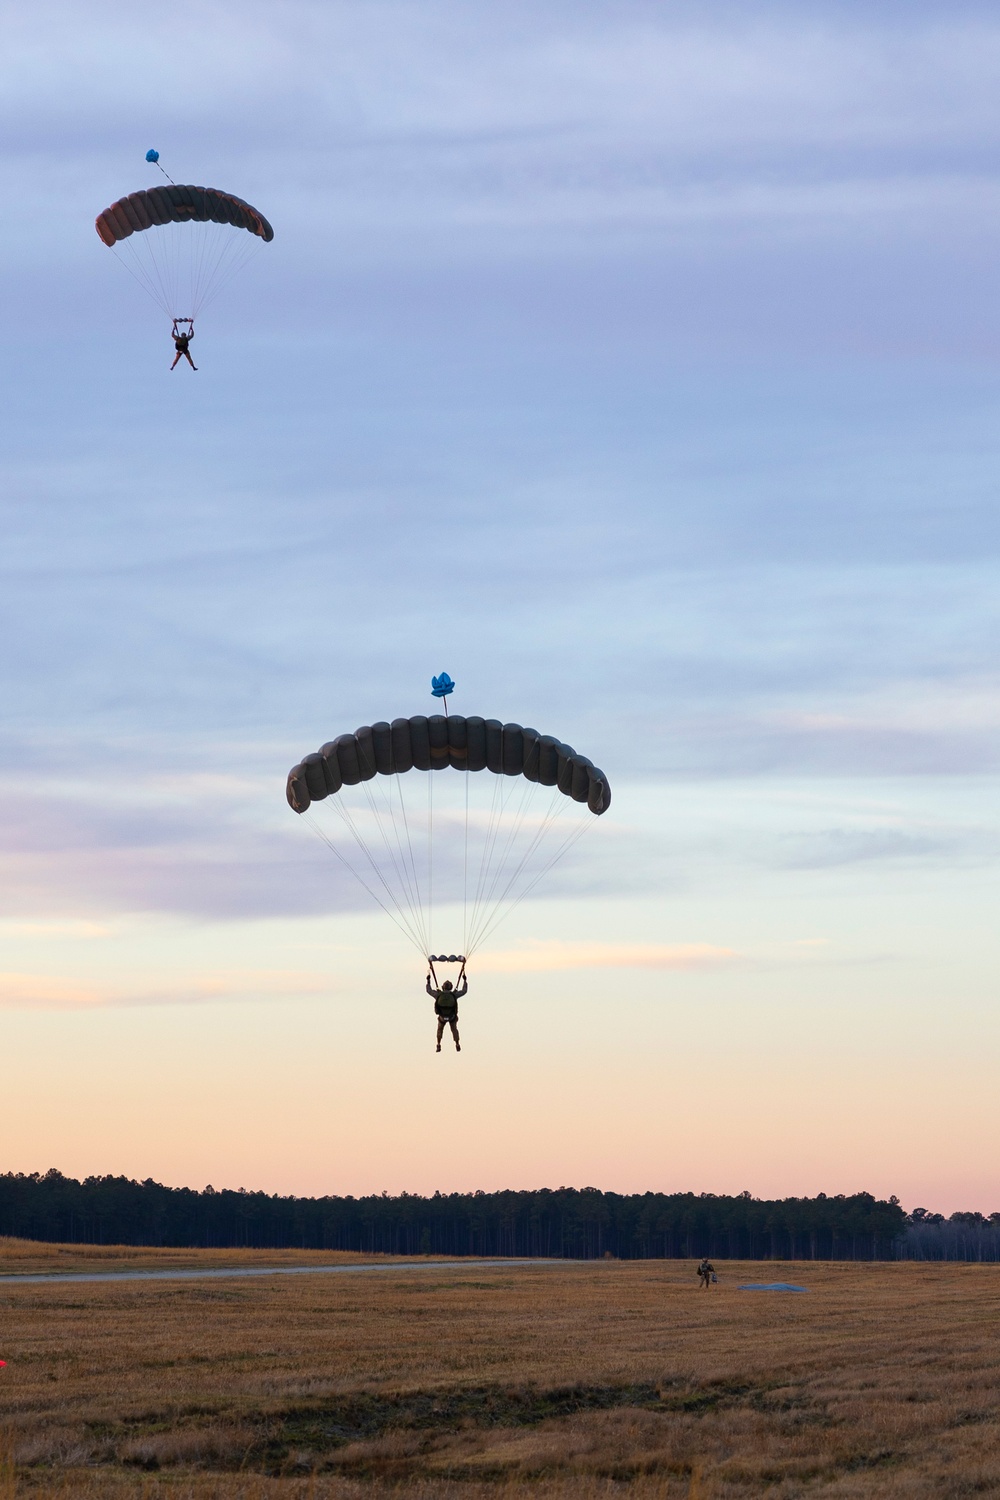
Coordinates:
<point>578,1223</point>
<point>962,1236</point>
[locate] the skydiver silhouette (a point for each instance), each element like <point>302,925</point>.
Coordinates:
<point>182,340</point>
<point>446,1008</point>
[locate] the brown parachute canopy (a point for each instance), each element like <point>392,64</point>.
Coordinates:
<point>175,204</point>
<point>435,742</point>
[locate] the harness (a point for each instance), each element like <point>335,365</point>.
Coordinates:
<point>446,1001</point>
<point>446,958</point>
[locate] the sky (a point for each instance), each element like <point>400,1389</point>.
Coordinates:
<point>639,365</point>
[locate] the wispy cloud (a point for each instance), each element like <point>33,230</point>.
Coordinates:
<point>42,992</point>
<point>53,930</point>
<point>46,992</point>
<point>546,956</point>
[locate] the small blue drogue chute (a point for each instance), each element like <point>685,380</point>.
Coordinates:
<point>441,686</point>
<point>152,155</point>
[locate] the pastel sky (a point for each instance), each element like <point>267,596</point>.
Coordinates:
<point>638,364</point>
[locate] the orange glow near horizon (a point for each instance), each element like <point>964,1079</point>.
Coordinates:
<point>744,1048</point>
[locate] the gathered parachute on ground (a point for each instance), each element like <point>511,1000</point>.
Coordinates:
<point>183,244</point>
<point>463,850</point>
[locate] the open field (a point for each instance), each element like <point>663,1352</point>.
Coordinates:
<point>594,1379</point>
<point>31,1258</point>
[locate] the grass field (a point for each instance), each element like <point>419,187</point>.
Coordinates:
<point>596,1379</point>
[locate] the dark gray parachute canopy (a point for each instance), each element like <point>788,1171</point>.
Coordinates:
<point>175,203</point>
<point>435,742</point>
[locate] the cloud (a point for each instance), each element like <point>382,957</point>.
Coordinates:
<point>541,957</point>
<point>829,848</point>
<point>47,992</point>
<point>209,847</point>
<point>377,134</point>
<point>476,454</point>
<point>42,992</point>
<point>52,931</point>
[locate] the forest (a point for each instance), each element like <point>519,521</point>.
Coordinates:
<point>579,1223</point>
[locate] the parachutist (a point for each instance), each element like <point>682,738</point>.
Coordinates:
<point>446,1007</point>
<point>182,243</point>
<point>182,340</point>
<point>387,759</point>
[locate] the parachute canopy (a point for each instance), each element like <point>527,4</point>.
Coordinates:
<point>175,204</point>
<point>431,744</point>
<point>455,851</point>
<point>179,242</point>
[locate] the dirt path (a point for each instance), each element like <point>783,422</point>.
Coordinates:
<point>224,1273</point>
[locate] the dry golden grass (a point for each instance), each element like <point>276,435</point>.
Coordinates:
<point>30,1257</point>
<point>462,1383</point>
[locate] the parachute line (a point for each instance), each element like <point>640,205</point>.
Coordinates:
<point>430,855</point>
<point>465,866</point>
<point>321,832</point>
<point>491,897</point>
<point>405,866</point>
<point>184,267</point>
<point>573,837</point>
<point>484,859</point>
<point>494,901</point>
<point>416,935</point>
<point>493,879</point>
<point>513,830</point>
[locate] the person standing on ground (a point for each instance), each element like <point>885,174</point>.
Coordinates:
<point>706,1272</point>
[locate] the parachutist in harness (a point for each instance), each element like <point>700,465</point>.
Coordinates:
<point>182,340</point>
<point>446,1004</point>
<point>503,844</point>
